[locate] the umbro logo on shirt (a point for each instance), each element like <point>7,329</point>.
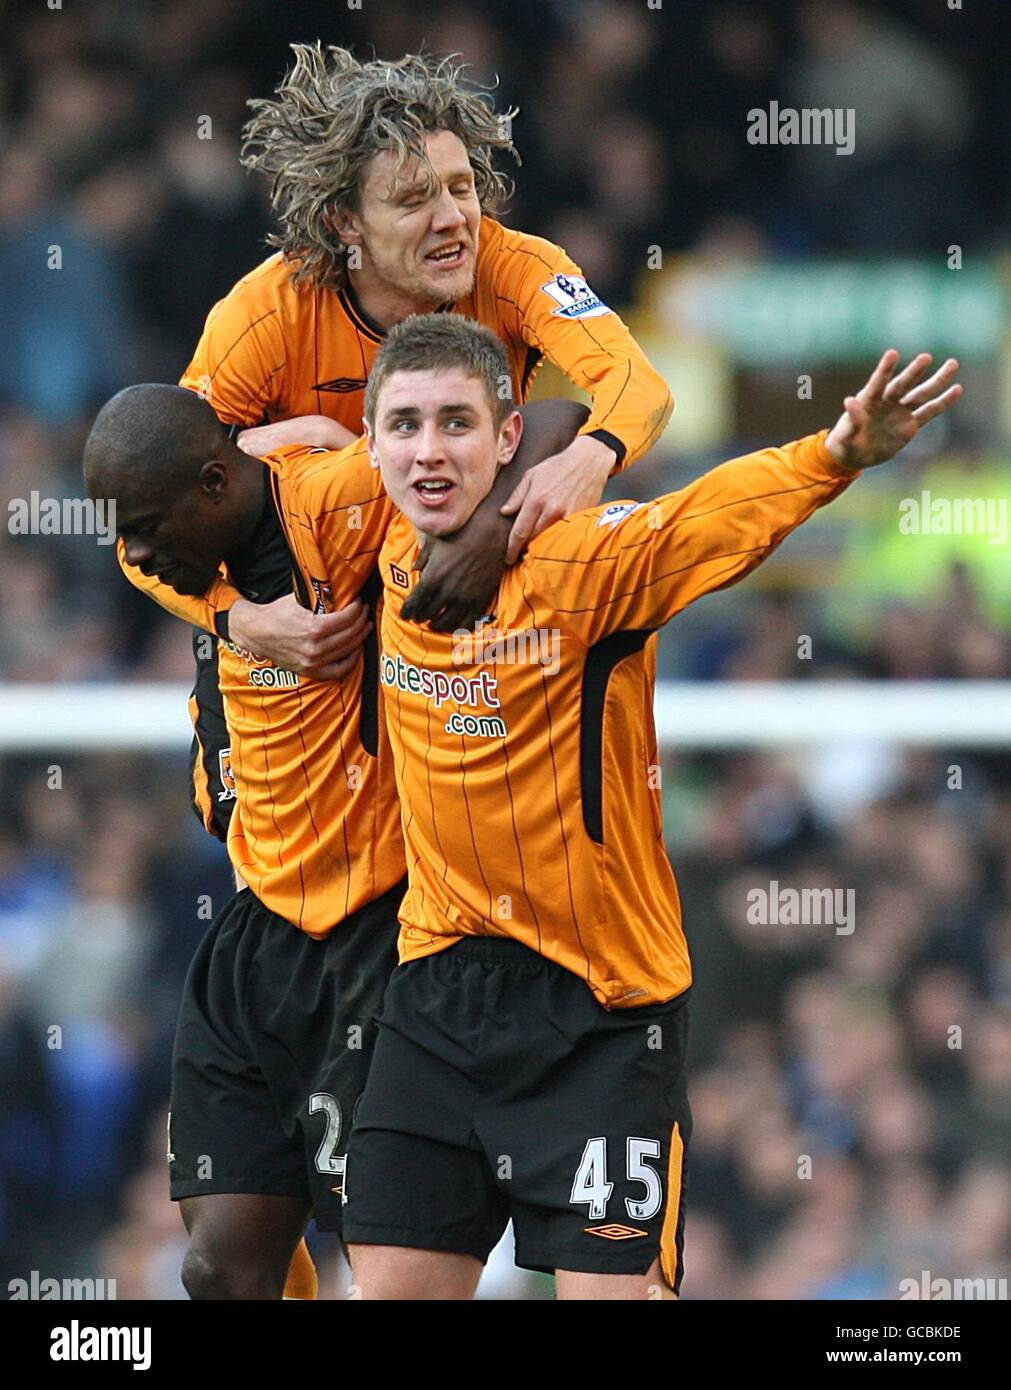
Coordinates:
<point>342,384</point>
<point>400,577</point>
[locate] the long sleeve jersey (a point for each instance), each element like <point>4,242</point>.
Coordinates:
<point>315,829</point>
<point>525,752</point>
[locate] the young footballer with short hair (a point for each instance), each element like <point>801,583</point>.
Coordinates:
<point>530,1061</point>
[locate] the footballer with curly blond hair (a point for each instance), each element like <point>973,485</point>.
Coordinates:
<point>384,186</point>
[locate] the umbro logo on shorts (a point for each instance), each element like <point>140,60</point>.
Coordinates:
<point>615,1232</point>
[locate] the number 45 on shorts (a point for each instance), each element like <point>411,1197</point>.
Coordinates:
<point>591,1185</point>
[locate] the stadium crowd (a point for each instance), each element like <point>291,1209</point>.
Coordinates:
<point>806,1042</point>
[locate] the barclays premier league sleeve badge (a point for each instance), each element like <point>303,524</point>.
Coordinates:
<point>574,298</point>
<point>616,513</point>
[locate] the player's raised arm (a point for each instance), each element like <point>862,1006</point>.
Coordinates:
<point>636,565</point>
<point>558,314</point>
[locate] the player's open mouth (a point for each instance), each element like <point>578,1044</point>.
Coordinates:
<point>433,492</point>
<point>448,257</point>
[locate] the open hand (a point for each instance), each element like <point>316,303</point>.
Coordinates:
<point>890,410</point>
<point>561,485</point>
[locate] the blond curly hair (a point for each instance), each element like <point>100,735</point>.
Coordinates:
<point>333,114</point>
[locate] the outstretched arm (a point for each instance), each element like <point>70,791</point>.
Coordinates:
<point>641,564</point>
<point>547,304</point>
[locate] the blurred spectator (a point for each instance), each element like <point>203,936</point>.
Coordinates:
<point>912,122</point>
<point>852,1093</point>
<point>62,299</point>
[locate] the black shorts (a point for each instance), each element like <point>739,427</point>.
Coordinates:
<point>275,1035</point>
<point>500,1088</point>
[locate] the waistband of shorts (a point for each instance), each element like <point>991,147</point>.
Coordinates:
<point>246,906</point>
<point>501,948</point>
<point>381,906</point>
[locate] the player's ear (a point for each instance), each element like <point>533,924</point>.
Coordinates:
<point>213,478</point>
<point>509,436</point>
<point>344,225</point>
<point>370,444</point>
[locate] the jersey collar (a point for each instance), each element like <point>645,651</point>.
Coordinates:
<point>360,319</point>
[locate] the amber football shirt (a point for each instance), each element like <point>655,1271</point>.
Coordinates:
<point>316,828</point>
<point>525,753</point>
<point>271,349</point>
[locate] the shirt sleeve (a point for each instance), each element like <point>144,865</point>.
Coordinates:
<point>336,514</point>
<point>238,365</point>
<point>201,612</point>
<point>552,308</point>
<point>634,565</point>
<point>212,784</point>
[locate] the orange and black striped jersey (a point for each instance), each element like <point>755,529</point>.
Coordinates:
<point>526,755</point>
<point>316,827</point>
<point>273,350</point>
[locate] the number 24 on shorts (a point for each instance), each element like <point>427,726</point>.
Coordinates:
<point>590,1184</point>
